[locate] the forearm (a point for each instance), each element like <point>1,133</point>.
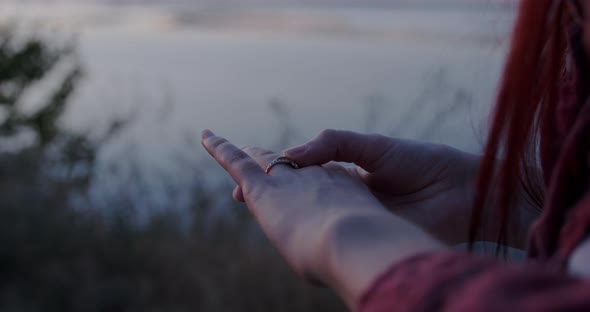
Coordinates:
<point>360,247</point>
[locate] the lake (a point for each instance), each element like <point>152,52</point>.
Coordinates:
<point>277,76</point>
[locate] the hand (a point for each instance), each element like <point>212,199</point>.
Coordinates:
<point>324,221</point>
<point>428,184</point>
<point>295,208</point>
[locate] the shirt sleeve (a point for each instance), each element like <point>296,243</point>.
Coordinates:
<point>464,282</point>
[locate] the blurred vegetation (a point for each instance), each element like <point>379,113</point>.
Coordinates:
<point>60,252</point>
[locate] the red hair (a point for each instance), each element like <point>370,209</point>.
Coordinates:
<point>522,124</point>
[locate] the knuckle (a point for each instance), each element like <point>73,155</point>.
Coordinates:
<point>217,142</point>
<point>256,151</point>
<point>224,148</point>
<point>376,136</point>
<point>265,153</point>
<point>328,133</point>
<point>378,139</point>
<point>246,147</point>
<point>236,156</point>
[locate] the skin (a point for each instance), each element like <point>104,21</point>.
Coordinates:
<point>324,221</point>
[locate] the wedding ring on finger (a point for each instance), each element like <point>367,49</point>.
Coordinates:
<point>281,160</point>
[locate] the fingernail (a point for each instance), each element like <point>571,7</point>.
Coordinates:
<point>296,150</point>
<point>206,134</point>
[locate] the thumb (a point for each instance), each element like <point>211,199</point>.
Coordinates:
<point>368,151</point>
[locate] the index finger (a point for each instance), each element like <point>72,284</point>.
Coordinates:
<point>242,168</point>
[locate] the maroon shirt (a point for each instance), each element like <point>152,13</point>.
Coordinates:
<point>464,282</point>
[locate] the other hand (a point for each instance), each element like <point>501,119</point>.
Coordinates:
<point>429,184</point>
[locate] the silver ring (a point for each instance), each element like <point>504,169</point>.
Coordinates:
<point>281,160</point>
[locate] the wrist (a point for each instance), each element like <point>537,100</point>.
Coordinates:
<point>357,248</point>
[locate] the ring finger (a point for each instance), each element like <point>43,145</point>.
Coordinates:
<point>262,157</point>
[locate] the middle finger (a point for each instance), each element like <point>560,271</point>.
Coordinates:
<point>262,157</point>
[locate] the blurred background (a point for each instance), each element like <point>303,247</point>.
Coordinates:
<point>107,200</point>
